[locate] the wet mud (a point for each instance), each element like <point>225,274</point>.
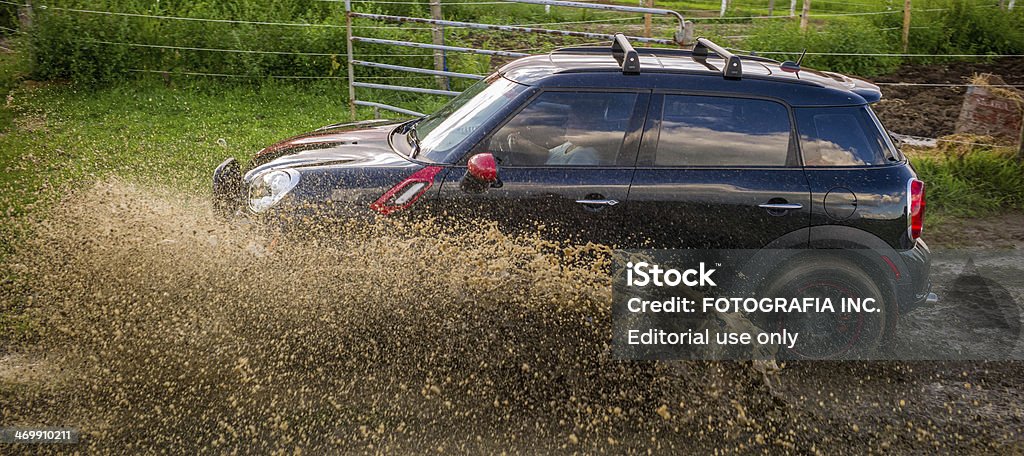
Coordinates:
<point>159,328</point>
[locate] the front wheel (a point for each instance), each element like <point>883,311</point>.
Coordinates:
<point>839,334</point>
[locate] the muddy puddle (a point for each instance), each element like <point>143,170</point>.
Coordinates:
<point>159,328</point>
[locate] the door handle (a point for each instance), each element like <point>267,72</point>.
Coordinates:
<point>781,206</point>
<point>598,202</point>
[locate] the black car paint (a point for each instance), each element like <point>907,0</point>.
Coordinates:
<point>842,207</point>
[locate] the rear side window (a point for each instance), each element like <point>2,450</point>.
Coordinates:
<point>844,136</point>
<point>719,131</point>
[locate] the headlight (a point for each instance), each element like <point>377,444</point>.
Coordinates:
<point>268,188</point>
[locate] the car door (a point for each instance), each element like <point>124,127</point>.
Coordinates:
<point>855,174</point>
<point>718,172</point>
<point>565,164</point>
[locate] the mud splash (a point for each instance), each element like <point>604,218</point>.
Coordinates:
<point>168,329</point>
<point>159,328</point>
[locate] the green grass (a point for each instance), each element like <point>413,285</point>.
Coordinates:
<point>982,181</point>
<point>12,69</point>
<point>175,135</point>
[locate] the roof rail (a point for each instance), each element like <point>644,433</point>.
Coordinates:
<point>733,68</point>
<point>624,53</point>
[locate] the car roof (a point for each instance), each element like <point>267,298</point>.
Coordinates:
<point>662,68</point>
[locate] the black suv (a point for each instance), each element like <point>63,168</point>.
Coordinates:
<point>631,147</point>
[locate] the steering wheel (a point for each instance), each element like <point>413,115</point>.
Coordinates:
<point>509,144</point>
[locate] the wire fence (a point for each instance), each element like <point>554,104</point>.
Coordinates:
<point>592,21</point>
<point>375,73</point>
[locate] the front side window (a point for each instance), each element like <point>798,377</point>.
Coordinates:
<point>841,136</point>
<point>566,129</point>
<point>720,131</point>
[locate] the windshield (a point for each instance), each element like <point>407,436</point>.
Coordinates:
<point>450,125</point>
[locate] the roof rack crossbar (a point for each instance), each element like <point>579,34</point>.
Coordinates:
<point>624,53</point>
<point>733,68</point>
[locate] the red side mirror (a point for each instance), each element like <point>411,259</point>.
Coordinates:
<point>483,167</point>
<point>481,173</point>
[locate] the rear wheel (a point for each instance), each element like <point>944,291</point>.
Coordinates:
<point>829,335</point>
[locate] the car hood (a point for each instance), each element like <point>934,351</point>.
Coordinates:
<point>354,144</point>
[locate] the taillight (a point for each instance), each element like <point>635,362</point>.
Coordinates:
<point>915,208</point>
<point>406,192</point>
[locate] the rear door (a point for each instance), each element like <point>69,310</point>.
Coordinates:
<point>856,176</point>
<point>718,172</point>
<point>565,165</point>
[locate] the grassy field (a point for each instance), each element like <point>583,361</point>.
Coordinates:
<point>54,134</point>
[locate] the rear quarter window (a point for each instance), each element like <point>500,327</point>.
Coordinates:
<point>841,136</point>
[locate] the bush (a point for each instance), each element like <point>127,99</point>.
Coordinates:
<point>8,19</point>
<point>961,27</point>
<point>980,181</point>
<point>840,35</point>
<point>68,44</point>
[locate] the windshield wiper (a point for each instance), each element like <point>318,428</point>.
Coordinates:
<point>413,139</point>
<point>409,125</point>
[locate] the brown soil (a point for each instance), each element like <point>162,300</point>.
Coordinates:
<point>1000,231</point>
<point>932,111</point>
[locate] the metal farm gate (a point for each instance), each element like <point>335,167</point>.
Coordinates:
<point>683,35</point>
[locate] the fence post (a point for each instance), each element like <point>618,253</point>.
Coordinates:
<point>1020,142</point>
<point>647,20</point>
<point>438,32</point>
<point>803,16</point>
<point>906,25</point>
<point>349,56</point>
<point>771,7</point>
<point>1011,4</point>
<point>792,8</point>
<point>725,4</point>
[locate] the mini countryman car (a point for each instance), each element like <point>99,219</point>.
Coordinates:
<point>631,147</point>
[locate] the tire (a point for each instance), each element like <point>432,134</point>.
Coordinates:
<point>829,335</point>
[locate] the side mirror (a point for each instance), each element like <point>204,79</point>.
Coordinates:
<point>481,173</point>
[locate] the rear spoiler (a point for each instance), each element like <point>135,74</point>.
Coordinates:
<point>868,91</point>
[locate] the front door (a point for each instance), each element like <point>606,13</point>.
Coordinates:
<point>565,165</point>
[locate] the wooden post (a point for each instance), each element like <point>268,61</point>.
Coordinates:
<point>1020,150</point>
<point>771,7</point>
<point>906,25</point>
<point>438,39</point>
<point>803,16</point>
<point>1011,4</point>
<point>647,20</point>
<point>725,4</point>
<point>792,8</point>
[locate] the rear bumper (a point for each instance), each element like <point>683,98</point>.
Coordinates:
<point>916,288</point>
